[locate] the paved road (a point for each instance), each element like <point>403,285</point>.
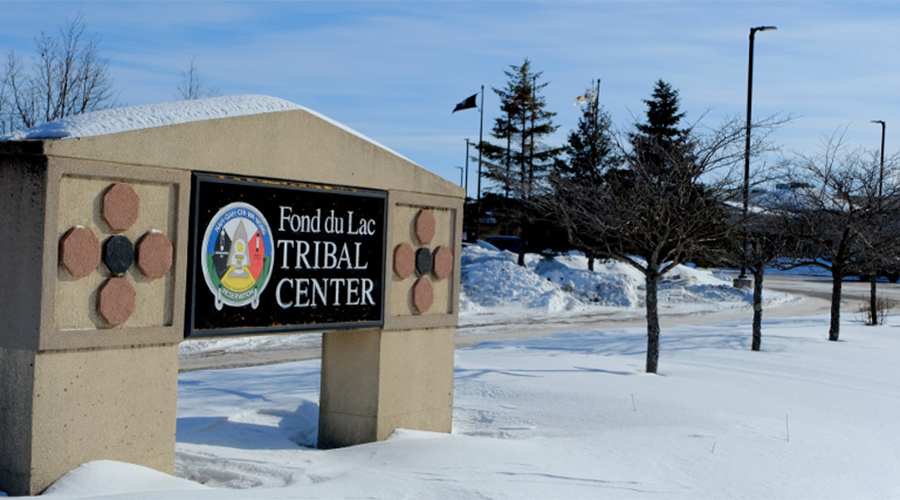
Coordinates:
<point>816,293</point>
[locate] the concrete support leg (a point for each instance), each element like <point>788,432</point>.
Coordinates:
<point>375,381</point>
<point>59,410</point>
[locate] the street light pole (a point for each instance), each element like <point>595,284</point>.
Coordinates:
<point>460,176</point>
<point>873,287</point>
<point>744,281</point>
<point>881,171</point>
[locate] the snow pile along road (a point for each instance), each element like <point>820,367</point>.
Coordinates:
<point>492,280</point>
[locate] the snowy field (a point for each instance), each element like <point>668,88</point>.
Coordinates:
<point>566,416</point>
<point>571,415</point>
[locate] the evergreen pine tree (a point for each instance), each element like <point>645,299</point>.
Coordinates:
<point>520,161</point>
<point>591,149</point>
<point>591,156</point>
<point>659,142</point>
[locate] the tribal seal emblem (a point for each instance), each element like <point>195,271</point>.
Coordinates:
<point>237,255</point>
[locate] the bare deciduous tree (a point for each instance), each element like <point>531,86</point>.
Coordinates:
<point>192,86</point>
<point>68,76</point>
<point>835,208</point>
<point>654,219</point>
<point>765,242</point>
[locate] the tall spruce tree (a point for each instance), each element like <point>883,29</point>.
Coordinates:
<point>591,155</point>
<point>591,149</point>
<point>659,142</point>
<point>520,161</point>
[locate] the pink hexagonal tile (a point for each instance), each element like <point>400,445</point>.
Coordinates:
<point>116,301</point>
<point>79,251</point>
<point>443,262</point>
<point>154,255</point>
<point>425,226</point>
<point>422,295</point>
<point>404,260</point>
<point>120,207</point>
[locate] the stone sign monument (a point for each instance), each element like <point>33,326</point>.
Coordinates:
<point>266,219</point>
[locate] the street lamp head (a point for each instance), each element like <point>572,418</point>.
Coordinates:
<point>878,121</point>
<point>765,28</point>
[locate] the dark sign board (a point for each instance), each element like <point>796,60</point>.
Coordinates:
<point>269,256</point>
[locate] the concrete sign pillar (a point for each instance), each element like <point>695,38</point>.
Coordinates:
<point>101,257</point>
<point>379,380</point>
<point>88,340</point>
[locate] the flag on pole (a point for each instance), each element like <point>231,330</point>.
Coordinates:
<point>469,103</point>
<point>590,97</point>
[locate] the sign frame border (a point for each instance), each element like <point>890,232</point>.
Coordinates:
<point>200,177</point>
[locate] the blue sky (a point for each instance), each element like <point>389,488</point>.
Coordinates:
<point>394,70</point>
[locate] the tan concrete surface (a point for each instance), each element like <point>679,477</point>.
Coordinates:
<point>84,406</point>
<point>23,192</point>
<point>309,148</point>
<point>444,312</point>
<point>16,396</point>
<point>405,232</point>
<point>416,381</point>
<point>374,382</point>
<point>79,204</point>
<point>348,399</point>
<point>75,189</point>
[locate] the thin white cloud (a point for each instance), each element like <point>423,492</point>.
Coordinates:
<point>394,70</point>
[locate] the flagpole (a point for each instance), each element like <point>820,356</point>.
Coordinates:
<point>480,143</point>
<point>467,169</point>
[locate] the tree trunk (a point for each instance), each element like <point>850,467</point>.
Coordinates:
<point>834,330</point>
<point>523,236</point>
<point>652,303</point>
<point>873,306</point>
<point>590,262</point>
<point>758,274</point>
<point>508,179</point>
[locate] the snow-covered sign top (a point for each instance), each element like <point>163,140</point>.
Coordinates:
<point>112,121</point>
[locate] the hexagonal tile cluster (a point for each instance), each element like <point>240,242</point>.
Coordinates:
<point>423,262</point>
<point>80,252</point>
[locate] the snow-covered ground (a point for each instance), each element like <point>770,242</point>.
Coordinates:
<point>571,415</point>
<point>566,416</point>
<point>496,291</point>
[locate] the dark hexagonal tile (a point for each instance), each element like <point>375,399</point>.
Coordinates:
<point>118,254</point>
